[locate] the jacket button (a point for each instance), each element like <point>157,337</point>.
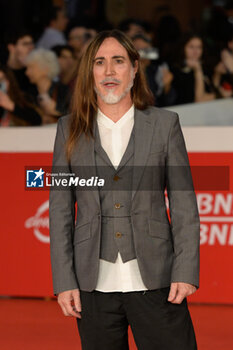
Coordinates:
<point>118,234</point>
<point>117,205</point>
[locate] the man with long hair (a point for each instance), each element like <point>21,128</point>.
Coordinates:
<point>117,259</point>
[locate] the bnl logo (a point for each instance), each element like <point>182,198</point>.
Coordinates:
<point>35,178</point>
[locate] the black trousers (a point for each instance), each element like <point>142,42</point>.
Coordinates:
<point>156,324</point>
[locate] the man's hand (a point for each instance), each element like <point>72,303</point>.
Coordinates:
<point>70,303</point>
<point>179,291</point>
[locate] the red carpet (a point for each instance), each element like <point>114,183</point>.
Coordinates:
<point>34,324</point>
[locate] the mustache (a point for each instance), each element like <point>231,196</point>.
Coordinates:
<point>112,80</point>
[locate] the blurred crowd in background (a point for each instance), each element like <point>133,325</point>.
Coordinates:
<point>38,71</point>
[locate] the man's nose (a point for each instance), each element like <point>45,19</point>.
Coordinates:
<point>109,69</point>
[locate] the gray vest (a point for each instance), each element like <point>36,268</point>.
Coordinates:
<point>116,228</point>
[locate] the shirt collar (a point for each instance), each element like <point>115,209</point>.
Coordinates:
<point>102,119</point>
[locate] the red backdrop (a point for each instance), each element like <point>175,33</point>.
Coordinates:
<point>24,240</point>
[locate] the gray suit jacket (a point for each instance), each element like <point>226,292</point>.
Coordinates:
<point>166,251</point>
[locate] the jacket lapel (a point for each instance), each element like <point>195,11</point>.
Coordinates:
<point>128,152</point>
<point>144,129</point>
<point>87,160</point>
<point>98,148</point>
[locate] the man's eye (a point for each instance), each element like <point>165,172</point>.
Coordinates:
<point>99,63</point>
<point>119,61</point>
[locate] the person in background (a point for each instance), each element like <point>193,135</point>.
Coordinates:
<point>191,80</point>
<point>15,109</point>
<point>142,43</point>
<point>19,44</point>
<point>91,33</point>
<point>67,77</point>
<point>133,26</point>
<point>223,72</point>
<point>42,69</point>
<point>67,62</point>
<point>53,34</point>
<point>157,72</point>
<point>168,34</point>
<point>78,38</point>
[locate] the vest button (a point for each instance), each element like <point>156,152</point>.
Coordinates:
<point>118,234</point>
<point>116,178</point>
<point>117,205</point>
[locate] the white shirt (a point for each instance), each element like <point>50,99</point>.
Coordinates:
<point>118,276</point>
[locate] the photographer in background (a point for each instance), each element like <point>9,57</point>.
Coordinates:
<point>135,26</point>
<point>158,75</point>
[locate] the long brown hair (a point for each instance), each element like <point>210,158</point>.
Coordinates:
<point>84,102</point>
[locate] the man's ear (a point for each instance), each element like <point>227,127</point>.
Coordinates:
<point>135,66</point>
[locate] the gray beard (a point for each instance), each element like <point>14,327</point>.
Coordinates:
<point>112,98</point>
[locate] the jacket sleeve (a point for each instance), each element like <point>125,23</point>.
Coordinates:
<point>183,208</point>
<point>61,222</point>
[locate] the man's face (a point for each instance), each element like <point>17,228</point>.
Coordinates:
<point>135,29</point>
<point>22,48</point>
<point>61,21</point>
<point>76,37</point>
<point>66,60</point>
<point>113,72</point>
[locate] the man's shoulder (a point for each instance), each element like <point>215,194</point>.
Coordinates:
<point>63,122</point>
<point>160,114</point>
<point>65,119</point>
